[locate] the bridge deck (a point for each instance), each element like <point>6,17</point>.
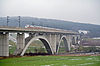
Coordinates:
<point>35,29</point>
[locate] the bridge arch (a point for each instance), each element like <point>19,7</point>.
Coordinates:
<point>66,43</point>
<point>44,41</point>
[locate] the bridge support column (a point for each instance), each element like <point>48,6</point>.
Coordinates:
<point>4,44</point>
<point>20,43</point>
<point>69,41</point>
<point>53,41</point>
<point>75,39</point>
<point>57,43</point>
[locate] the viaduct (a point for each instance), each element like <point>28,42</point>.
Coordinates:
<point>50,37</point>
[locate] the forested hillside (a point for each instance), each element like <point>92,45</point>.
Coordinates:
<point>68,25</point>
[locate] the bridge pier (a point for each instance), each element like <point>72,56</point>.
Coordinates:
<point>4,44</point>
<point>69,41</point>
<point>53,41</point>
<point>58,37</point>
<point>75,40</point>
<point>20,43</point>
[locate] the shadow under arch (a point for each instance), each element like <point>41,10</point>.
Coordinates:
<point>65,44</point>
<point>44,41</point>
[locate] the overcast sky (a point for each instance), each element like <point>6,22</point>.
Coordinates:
<point>85,11</point>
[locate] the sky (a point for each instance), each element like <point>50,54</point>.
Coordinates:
<point>83,11</point>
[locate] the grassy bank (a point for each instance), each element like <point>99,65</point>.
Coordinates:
<point>52,61</point>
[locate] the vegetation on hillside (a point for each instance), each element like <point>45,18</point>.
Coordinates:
<point>94,30</point>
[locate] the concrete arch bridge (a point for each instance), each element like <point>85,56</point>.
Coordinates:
<point>50,37</point>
